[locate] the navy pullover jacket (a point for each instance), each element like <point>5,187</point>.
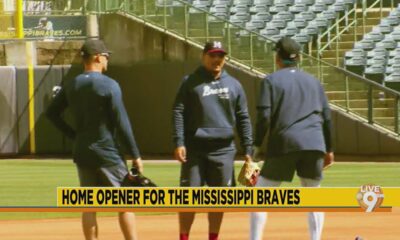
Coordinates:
<point>206,108</point>
<point>98,111</point>
<point>293,107</point>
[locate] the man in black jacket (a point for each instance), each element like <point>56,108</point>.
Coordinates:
<point>293,109</point>
<point>95,101</point>
<point>209,106</point>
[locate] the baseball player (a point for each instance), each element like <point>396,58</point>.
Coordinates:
<point>209,105</point>
<point>101,120</point>
<point>294,110</point>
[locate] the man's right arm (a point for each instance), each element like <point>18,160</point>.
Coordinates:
<point>264,105</point>
<point>327,124</point>
<point>178,120</point>
<point>327,130</point>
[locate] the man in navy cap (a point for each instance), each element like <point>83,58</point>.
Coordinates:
<point>294,110</point>
<point>209,105</point>
<point>101,122</point>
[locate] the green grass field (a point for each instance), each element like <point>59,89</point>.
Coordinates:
<point>34,182</point>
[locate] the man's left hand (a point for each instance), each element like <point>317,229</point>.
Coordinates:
<point>138,164</point>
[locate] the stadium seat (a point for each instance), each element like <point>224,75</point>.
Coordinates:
<point>355,64</point>
<point>395,76</point>
<point>270,31</point>
<point>305,2</point>
<point>284,2</point>
<point>259,9</point>
<point>217,9</point>
<point>395,12</point>
<point>395,35</point>
<point>308,16</point>
<point>312,30</point>
<point>203,4</point>
<point>355,53</point>
<point>387,43</point>
<point>255,25</point>
<point>318,8</point>
<point>243,2</point>
<point>222,2</point>
<point>377,60</point>
<point>364,44</point>
<point>284,15</point>
<point>264,2</point>
<point>378,52</point>
<point>274,9</point>
<point>383,28</point>
<point>375,73</point>
<point>349,2</point>
<point>302,38</point>
<point>394,53</point>
<point>393,81</point>
<point>391,20</point>
<point>289,31</point>
<point>329,14</point>
<point>243,8</point>
<point>326,2</point>
<point>239,19</point>
<point>392,69</point>
<point>300,22</point>
<point>338,7</point>
<point>376,36</point>
<point>298,8</point>
<point>266,17</point>
<point>394,61</point>
<point>278,23</point>
<point>321,22</point>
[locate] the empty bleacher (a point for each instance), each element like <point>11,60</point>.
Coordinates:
<point>301,19</point>
<point>377,54</point>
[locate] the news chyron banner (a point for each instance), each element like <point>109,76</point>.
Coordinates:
<point>366,198</point>
<point>45,27</point>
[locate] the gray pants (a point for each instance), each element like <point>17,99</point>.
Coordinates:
<point>209,163</point>
<point>102,177</point>
<point>307,164</point>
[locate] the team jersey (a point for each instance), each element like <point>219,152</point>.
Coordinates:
<point>208,108</point>
<point>100,120</point>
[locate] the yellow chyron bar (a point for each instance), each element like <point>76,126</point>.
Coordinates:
<point>229,199</point>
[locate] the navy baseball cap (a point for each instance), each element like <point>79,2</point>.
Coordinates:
<point>288,49</point>
<point>214,47</point>
<point>93,47</point>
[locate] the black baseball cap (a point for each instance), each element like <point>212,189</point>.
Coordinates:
<point>214,47</point>
<point>93,47</point>
<point>288,49</point>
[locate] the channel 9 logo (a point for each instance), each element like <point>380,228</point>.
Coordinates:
<point>370,197</point>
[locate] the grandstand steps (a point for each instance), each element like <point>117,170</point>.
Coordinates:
<point>386,121</point>
<point>374,14</point>
<point>360,95</point>
<point>377,112</point>
<point>357,103</point>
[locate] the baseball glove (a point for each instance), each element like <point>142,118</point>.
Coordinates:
<point>249,174</point>
<point>136,179</point>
